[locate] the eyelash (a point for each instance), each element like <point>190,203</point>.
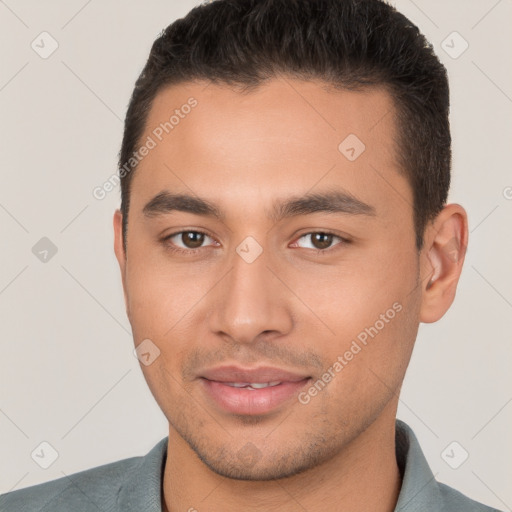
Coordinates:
<point>192,252</point>
<point>179,250</point>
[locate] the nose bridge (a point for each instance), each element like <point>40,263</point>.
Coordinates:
<point>250,299</point>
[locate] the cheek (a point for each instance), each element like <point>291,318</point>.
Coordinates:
<point>364,309</point>
<point>351,295</point>
<point>160,290</point>
<point>366,363</point>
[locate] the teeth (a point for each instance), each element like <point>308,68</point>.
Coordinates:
<point>253,385</point>
<point>257,385</point>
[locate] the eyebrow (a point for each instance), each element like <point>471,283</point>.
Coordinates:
<point>333,201</point>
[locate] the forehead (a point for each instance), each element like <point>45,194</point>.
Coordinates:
<point>306,110</point>
<point>285,137</point>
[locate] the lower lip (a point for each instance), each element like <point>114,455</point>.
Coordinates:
<point>252,402</point>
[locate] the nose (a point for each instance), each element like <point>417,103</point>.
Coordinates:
<point>251,302</point>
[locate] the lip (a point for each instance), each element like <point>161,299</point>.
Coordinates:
<point>261,374</point>
<point>247,401</point>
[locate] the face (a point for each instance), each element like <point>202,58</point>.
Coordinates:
<point>292,262</point>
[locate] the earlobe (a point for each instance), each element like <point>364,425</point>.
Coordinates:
<point>443,258</point>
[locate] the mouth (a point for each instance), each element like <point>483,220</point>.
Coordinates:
<point>251,391</point>
<point>252,385</point>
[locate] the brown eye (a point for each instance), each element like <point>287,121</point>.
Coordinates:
<point>192,239</point>
<point>321,241</point>
<point>184,240</point>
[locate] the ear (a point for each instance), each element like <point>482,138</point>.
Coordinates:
<point>120,252</point>
<point>442,257</point>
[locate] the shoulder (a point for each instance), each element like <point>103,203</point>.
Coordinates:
<point>420,490</point>
<point>92,489</point>
<point>455,501</point>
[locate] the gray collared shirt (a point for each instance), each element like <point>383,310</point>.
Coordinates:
<point>135,485</point>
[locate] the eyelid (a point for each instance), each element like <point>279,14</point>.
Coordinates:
<point>343,240</point>
<point>166,240</point>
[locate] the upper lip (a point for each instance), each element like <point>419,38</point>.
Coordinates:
<point>261,374</point>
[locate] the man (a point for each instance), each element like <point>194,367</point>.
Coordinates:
<point>283,231</point>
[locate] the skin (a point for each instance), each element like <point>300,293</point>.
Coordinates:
<point>292,307</point>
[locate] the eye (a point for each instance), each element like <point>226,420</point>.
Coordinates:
<point>321,240</point>
<point>186,241</point>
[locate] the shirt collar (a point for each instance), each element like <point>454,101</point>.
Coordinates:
<point>419,490</point>
<point>142,490</point>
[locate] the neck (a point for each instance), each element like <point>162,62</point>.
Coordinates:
<point>362,476</point>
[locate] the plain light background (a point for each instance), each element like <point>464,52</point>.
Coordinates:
<point>68,375</point>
